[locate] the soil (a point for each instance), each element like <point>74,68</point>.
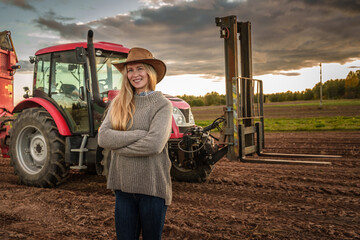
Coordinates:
<point>239,200</point>
<point>274,110</point>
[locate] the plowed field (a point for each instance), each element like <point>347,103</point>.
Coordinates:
<point>239,200</point>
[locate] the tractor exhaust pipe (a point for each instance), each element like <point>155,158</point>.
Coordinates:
<point>93,72</point>
<point>94,85</point>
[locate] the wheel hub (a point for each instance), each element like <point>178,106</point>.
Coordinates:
<point>31,149</point>
<point>38,149</point>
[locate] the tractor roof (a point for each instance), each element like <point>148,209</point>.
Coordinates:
<point>113,47</point>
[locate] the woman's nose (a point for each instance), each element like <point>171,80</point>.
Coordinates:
<point>136,72</point>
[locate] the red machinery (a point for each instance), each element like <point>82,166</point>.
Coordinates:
<point>55,129</point>
<point>8,61</point>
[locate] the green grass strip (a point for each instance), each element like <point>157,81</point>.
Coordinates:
<point>203,123</point>
<point>339,102</point>
<point>313,124</point>
<point>306,124</point>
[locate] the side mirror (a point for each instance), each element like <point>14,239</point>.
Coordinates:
<point>80,55</point>
<point>32,59</point>
<point>15,67</point>
<point>82,93</point>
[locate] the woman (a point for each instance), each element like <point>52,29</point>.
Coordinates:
<point>136,130</point>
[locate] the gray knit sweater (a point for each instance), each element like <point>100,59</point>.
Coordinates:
<point>139,157</point>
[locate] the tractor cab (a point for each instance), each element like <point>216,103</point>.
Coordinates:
<point>64,80</point>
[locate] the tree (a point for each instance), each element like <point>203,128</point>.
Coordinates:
<point>334,89</point>
<point>352,85</point>
<point>212,98</point>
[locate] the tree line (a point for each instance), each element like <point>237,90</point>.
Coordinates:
<point>347,88</point>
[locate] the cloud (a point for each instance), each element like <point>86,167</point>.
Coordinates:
<point>289,74</point>
<point>50,14</point>
<point>19,3</point>
<point>25,66</point>
<point>286,35</point>
<point>348,6</point>
<point>69,31</point>
<point>160,3</point>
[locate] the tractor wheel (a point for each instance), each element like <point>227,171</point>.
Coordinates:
<point>37,149</point>
<point>198,173</point>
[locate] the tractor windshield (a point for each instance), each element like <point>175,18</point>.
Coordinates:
<point>109,77</point>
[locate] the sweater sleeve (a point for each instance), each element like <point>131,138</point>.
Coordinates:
<point>109,138</point>
<point>156,138</point>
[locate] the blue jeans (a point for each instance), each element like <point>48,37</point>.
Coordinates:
<point>135,212</point>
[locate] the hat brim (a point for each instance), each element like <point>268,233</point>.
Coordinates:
<point>158,65</point>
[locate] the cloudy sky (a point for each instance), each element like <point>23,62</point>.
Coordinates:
<point>289,38</point>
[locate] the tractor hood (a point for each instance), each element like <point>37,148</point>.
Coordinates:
<point>177,102</point>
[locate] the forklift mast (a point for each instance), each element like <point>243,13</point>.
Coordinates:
<point>239,90</point>
<point>244,112</point>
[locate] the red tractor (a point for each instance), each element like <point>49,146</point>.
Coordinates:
<point>55,129</point>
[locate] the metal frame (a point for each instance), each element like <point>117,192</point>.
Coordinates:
<point>244,124</point>
<point>250,120</point>
<point>228,31</point>
<point>257,130</point>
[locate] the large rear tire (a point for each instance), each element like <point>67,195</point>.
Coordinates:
<point>37,149</point>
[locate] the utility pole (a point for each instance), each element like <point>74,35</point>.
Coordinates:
<point>320,107</point>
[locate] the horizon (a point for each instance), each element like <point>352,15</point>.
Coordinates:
<point>289,38</point>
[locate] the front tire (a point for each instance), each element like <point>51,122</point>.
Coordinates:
<point>183,173</point>
<point>37,149</point>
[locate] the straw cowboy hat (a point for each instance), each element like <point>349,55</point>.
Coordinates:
<point>141,55</point>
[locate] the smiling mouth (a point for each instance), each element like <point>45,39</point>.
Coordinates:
<point>137,80</point>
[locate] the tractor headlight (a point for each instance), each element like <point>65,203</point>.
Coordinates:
<point>178,116</point>
<point>191,118</point>
<point>183,117</point>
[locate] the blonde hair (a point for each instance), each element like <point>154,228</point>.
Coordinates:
<point>122,106</point>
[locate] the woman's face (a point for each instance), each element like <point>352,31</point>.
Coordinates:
<point>137,76</point>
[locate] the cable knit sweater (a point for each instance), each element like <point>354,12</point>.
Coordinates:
<point>139,157</point>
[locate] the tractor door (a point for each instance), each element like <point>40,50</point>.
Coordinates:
<point>62,78</point>
<point>109,79</point>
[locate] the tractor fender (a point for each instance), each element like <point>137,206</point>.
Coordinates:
<point>53,111</point>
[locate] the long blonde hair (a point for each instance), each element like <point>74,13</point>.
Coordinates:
<point>122,107</point>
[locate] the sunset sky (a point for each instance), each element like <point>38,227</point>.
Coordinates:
<point>289,38</point>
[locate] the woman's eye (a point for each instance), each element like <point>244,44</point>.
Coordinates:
<point>129,70</point>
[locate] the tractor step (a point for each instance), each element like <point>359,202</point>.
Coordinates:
<point>81,151</point>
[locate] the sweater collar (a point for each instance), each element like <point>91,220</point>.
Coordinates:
<point>143,94</point>
<point>149,98</point>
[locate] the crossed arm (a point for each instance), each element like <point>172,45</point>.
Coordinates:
<point>114,139</point>
<point>155,139</point>
<point>138,143</point>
